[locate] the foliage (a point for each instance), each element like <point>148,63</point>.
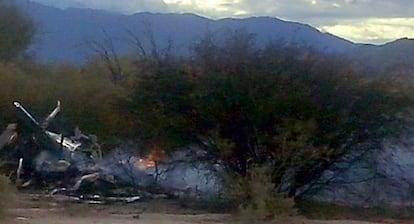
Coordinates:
<point>88,100</point>
<point>256,196</point>
<point>161,107</point>
<point>17,31</point>
<point>296,109</point>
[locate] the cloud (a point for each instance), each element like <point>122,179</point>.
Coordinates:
<point>212,8</point>
<point>374,30</point>
<point>122,6</point>
<point>292,9</point>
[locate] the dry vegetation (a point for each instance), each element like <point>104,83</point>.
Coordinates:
<point>263,111</point>
<point>256,198</point>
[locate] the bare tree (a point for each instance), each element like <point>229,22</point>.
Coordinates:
<point>146,44</point>
<point>105,50</point>
<point>137,43</point>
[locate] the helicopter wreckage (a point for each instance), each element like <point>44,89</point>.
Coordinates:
<point>34,156</point>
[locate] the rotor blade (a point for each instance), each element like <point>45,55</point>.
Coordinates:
<point>51,115</point>
<point>20,107</point>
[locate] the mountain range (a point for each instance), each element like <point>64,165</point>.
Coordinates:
<point>64,35</point>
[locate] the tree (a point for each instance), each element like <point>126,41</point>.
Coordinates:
<point>297,110</point>
<point>106,51</point>
<point>162,107</point>
<point>16,31</point>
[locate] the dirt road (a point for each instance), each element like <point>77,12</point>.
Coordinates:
<point>118,219</point>
<point>153,219</point>
<point>34,209</point>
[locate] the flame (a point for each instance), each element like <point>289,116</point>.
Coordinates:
<point>145,164</point>
<point>150,160</point>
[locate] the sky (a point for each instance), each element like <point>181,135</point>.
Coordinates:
<point>361,21</point>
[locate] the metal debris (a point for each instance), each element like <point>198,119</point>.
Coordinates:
<point>73,169</point>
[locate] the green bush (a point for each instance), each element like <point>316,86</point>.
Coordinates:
<point>256,197</point>
<point>295,109</point>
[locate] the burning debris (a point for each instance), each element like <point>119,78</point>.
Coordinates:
<point>73,166</point>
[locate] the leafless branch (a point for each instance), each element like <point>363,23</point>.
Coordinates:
<point>105,49</point>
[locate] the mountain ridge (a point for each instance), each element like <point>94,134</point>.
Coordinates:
<point>69,29</point>
<point>64,33</point>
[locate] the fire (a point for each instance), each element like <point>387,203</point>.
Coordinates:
<point>145,164</point>
<point>151,159</point>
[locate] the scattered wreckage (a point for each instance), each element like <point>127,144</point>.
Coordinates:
<point>34,156</point>
<point>73,167</point>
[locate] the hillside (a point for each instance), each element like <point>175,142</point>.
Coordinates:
<point>392,56</point>
<point>63,33</point>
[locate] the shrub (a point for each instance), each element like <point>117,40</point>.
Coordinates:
<point>256,198</point>
<point>297,109</point>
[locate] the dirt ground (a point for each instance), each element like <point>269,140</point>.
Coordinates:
<point>39,209</point>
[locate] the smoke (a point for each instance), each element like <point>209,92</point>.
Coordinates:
<point>183,171</point>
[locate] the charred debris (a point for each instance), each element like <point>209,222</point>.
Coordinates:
<point>34,157</point>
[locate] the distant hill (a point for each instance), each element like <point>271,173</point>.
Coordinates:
<point>392,56</point>
<point>63,33</point>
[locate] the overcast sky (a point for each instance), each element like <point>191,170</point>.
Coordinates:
<point>362,21</point>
